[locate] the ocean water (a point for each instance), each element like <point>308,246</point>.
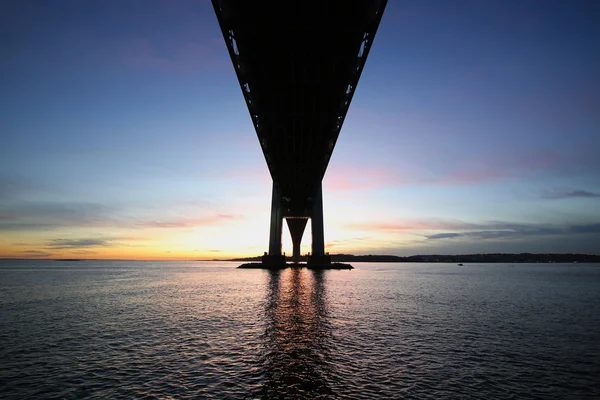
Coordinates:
<point>188,330</point>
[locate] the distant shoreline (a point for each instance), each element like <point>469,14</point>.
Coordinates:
<point>460,258</point>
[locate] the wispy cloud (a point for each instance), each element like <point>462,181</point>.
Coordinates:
<point>412,225</point>
<point>36,253</point>
<point>456,230</point>
<point>565,194</point>
<point>348,242</point>
<point>444,235</point>
<point>187,222</point>
<point>80,243</point>
<point>457,171</point>
<point>516,231</point>
<point>52,216</point>
<point>353,177</point>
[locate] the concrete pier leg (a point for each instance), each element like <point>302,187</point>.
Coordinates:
<point>318,235</point>
<point>296,226</point>
<point>275,257</point>
<point>316,221</point>
<point>276,225</point>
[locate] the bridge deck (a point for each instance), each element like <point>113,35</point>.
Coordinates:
<point>298,73</point>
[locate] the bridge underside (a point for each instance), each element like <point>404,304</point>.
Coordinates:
<point>298,64</point>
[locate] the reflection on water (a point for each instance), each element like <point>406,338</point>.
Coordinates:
<point>297,337</point>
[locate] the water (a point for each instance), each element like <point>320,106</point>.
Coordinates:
<point>183,330</point>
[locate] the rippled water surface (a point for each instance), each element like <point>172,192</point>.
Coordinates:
<point>98,329</point>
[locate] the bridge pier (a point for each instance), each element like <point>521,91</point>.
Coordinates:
<point>318,259</point>
<point>318,255</point>
<point>275,257</point>
<point>296,227</point>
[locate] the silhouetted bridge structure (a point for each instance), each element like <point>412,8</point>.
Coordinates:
<point>298,64</point>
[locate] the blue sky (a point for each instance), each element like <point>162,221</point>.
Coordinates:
<point>475,127</point>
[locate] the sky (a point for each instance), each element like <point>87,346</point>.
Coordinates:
<point>475,128</point>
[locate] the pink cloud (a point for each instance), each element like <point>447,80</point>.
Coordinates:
<point>354,177</point>
<point>472,170</point>
<point>412,224</point>
<point>348,242</point>
<point>216,219</point>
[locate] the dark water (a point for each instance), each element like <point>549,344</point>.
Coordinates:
<point>170,330</point>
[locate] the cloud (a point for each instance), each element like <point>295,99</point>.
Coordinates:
<point>52,216</point>
<point>353,177</point>
<point>565,194</point>
<point>27,226</point>
<point>412,225</point>
<point>491,230</point>
<point>79,243</point>
<point>589,228</point>
<point>444,235</point>
<point>518,231</point>
<point>36,253</point>
<point>348,242</point>
<point>187,222</point>
<point>453,171</point>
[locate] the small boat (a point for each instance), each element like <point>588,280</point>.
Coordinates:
<point>460,265</point>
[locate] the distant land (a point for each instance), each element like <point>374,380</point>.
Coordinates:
<point>460,258</point>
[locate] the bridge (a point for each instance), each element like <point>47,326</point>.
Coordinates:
<point>298,64</point>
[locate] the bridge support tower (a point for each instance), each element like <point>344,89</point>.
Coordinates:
<point>296,226</point>
<point>318,256</point>
<point>274,257</point>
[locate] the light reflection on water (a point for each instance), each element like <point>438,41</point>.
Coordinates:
<point>185,330</point>
<point>297,335</point>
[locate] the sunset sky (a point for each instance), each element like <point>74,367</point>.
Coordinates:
<point>475,128</point>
